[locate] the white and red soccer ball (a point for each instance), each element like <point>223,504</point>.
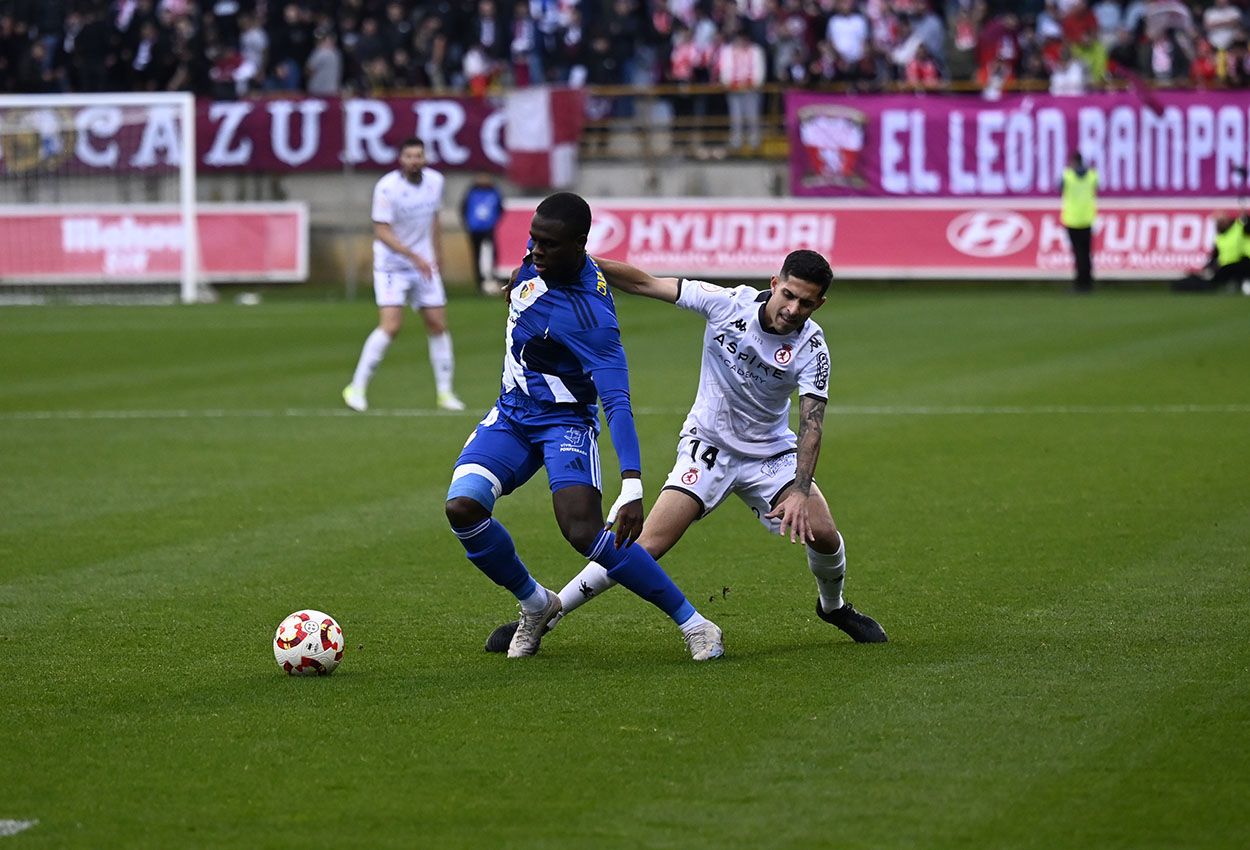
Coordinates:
<point>308,643</point>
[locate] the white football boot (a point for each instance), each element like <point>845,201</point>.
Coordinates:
<point>705,642</point>
<point>355,398</point>
<point>531,628</point>
<point>448,401</point>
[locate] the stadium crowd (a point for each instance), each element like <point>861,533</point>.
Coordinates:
<point>232,48</point>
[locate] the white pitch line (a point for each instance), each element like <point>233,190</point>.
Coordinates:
<point>1033,410</point>
<point>289,413</point>
<point>13,827</point>
<point>837,410</point>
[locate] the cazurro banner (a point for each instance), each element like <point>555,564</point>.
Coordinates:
<point>269,134</point>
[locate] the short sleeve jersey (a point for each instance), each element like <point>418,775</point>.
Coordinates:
<point>748,374</point>
<point>411,209</point>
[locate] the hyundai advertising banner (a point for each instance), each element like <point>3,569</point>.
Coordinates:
<point>743,240</point>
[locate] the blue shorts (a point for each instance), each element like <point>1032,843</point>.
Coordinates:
<point>513,451</point>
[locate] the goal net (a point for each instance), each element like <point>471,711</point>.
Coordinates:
<point>97,198</point>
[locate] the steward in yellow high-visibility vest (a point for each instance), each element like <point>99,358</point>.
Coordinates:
<point>1080,197</point>
<point>1229,262</point>
<point>1079,191</point>
<point>1230,243</point>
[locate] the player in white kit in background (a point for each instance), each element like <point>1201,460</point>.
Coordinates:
<point>758,348</point>
<point>407,248</point>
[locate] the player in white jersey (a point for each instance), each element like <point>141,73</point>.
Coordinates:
<point>758,348</point>
<point>407,249</point>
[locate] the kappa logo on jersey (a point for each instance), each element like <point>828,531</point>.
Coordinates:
<point>814,343</point>
<point>822,371</point>
<point>740,325</point>
<point>784,354</point>
<point>691,476</point>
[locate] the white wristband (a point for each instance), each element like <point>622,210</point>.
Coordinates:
<point>631,491</point>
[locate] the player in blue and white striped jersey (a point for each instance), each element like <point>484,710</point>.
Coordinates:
<point>563,354</point>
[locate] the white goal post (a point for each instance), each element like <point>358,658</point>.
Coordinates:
<point>110,151</point>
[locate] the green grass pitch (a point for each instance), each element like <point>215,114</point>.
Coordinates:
<point>1046,502</point>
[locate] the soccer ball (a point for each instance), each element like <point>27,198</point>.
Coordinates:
<point>308,643</point>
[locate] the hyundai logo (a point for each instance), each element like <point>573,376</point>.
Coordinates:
<point>605,234</point>
<point>982,233</point>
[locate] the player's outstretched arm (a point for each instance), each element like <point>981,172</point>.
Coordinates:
<point>792,509</point>
<point>635,281</point>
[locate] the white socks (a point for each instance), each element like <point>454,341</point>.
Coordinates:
<point>370,356</point>
<point>830,572</point>
<point>375,349</point>
<point>536,601</point>
<point>695,620</point>
<point>442,360</point>
<point>591,581</point>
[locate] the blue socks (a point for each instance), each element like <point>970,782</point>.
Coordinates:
<point>490,548</point>
<point>634,567</point>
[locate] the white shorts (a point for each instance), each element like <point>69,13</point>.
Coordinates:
<point>395,289</point>
<point>709,473</point>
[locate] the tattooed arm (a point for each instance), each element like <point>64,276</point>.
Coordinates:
<point>792,509</point>
<point>811,429</point>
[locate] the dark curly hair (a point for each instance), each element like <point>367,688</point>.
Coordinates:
<point>809,266</point>
<point>569,209</point>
